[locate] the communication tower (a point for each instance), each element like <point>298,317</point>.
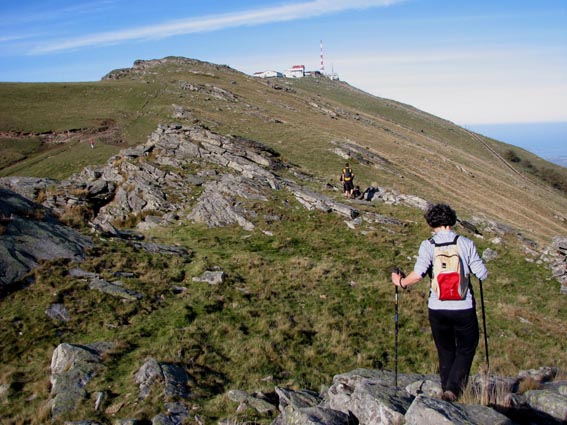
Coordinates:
<point>322,68</point>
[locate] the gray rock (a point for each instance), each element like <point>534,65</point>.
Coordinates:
<point>297,399</point>
<point>430,411</point>
<point>491,384</point>
<point>100,397</point>
<point>4,390</point>
<point>28,187</point>
<point>315,416</point>
<point>162,249</point>
<point>315,201</point>
<point>426,387</point>
<point>543,374</point>
<point>58,312</point>
<point>115,289</point>
<point>177,414</point>
<point>489,255</point>
<point>560,387</point>
<point>211,277</point>
<point>30,236</point>
<point>251,400</point>
<point>174,378</point>
<point>80,273</point>
<point>548,402</point>
<point>381,219</point>
<point>147,375</point>
<point>214,210</point>
<point>72,368</point>
<point>372,401</point>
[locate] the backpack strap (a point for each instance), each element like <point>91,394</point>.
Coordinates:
<point>432,241</point>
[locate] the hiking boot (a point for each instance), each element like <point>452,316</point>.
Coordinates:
<point>449,396</point>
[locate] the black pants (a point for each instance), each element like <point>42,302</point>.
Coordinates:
<point>455,333</point>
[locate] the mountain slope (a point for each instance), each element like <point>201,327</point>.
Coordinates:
<point>427,156</point>
<point>306,294</point>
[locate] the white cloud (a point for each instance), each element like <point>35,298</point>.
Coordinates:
<point>287,12</point>
<point>43,15</point>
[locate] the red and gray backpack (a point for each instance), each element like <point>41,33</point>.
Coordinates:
<point>448,279</point>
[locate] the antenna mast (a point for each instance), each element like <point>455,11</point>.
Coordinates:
<point>322,69</point>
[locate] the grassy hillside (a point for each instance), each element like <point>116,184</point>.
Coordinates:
<point>298,307</point>
<point>308,302</point>
<point>430,157</point>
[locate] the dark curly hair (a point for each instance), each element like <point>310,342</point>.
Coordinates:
<point>439,215</point>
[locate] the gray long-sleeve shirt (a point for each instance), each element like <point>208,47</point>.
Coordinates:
<point>471,262</point>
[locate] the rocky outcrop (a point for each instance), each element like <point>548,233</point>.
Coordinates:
<point>361,396</point>
<point>193,173</point>
<point>368,397</point>
<point>29,234</point>
<point>180,173</point>
<point>145,68</point>
<point>558,261</point>
<point>151,181</point>
<point>28,187</point>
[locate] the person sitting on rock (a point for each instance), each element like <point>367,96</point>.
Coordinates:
<point>356,193</point>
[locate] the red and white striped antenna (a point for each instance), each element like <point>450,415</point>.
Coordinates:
<point>322,69</point>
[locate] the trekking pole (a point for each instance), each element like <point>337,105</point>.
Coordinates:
<point>397,271</point>
<point>396,341</point>
<point>484,325</point>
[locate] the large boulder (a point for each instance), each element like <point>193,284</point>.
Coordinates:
<point>173,377</point>
<point>30,235</point>
<point>431,411</point>
<point>548,402</point>
<point>72,368</point>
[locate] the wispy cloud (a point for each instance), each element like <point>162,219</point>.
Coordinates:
<point>287,12</point>
<point>32,15</point>
<point>9,38</point>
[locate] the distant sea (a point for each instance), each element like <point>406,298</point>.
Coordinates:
<point>546,140</point>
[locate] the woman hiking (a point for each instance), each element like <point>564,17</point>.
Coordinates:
<point>452,312</point>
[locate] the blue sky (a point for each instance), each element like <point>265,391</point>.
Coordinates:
<point>497,61</point>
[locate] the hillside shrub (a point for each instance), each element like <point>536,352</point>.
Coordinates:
<point>511,156</point>
<point>548,175</point>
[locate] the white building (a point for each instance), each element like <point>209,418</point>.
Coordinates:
<point>296,71</point>
<point>268,74</point>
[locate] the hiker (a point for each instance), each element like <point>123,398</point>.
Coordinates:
<point>347,177</point>
<point>453,322</point>
<point>357,194</point>
<point>92,143</point>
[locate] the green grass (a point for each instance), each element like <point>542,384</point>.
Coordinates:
<point>60,162</point>
<point>16,151</point>
<point>297,308</point>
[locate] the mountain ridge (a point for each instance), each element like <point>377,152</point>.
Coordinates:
<point>253,108</point>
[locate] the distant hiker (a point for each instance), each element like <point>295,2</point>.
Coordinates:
<point>369,192</point>
<point>452,313</point>
<point>92,143</point>
<point>347,177</point>
<point>356,193</point>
